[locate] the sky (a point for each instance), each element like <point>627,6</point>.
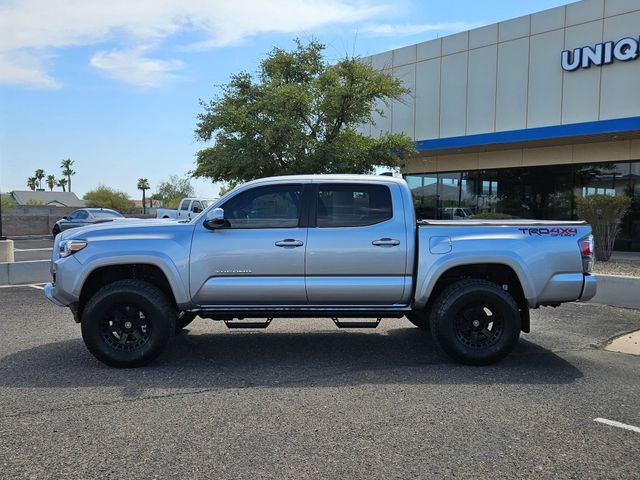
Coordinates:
<point>115,85</point>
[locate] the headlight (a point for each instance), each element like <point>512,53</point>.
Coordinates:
<point>69,247</point>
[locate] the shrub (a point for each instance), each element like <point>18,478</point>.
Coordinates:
<point>106,197</point>
<point>604,213</point>
<point>489,216</point>
<point>7,203</point>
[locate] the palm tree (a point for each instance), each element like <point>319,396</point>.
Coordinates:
<point>32,183</point>
<point>51,182</point>
<point>62,183</point>
<point>39,175</point>
<point>67,171</point>
<point>143,184</point>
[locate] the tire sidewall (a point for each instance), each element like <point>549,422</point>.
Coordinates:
<point>158,312</point>
<point>443,322</point>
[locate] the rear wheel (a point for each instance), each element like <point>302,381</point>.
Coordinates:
<point>128,323</point>
<point>475,322</point>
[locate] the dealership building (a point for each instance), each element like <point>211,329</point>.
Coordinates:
<point>522,117</point>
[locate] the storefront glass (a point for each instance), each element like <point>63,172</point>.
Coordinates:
<point>545,193</point>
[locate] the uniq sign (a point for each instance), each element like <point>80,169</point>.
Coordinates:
<point>601,54</point>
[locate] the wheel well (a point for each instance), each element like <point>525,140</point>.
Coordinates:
<point>498,273</point>
<point>104,275</point>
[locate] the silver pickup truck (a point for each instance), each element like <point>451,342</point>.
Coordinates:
<point>341,246</point>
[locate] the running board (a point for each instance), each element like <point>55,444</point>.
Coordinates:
<point>343,324</point>
<point>243,324</point>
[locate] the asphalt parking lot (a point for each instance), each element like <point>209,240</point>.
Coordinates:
<point>306,400</point>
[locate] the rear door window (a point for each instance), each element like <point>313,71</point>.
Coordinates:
<point>353,205</point>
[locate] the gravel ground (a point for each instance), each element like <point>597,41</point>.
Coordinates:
<point>618,267</point>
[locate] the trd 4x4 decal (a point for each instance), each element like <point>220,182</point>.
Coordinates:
<point>552,232</point>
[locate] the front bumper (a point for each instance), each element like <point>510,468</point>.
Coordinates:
<point>589,288</point>
<point>49,292</point>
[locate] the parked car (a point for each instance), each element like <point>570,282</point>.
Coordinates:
<point>187,209</point>
<point>85,216</point>
<point>338,246</point>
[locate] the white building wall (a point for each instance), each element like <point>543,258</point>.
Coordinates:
<point>508,76</point>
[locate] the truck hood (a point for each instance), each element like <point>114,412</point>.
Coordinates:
<point>126,228</point>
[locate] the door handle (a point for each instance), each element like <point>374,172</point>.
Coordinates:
<point>289,242</point>
<point>386,242</point>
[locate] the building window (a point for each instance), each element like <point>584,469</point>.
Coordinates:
<point>545,193</point>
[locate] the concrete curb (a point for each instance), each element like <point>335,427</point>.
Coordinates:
<point>33,271</point>
<point>618,291</point>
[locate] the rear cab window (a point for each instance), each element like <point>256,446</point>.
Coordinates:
<point>353,205</point>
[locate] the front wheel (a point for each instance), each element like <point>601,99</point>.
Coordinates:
<point>55,231</point>
<point>128,323</point>
<point>475,322</point>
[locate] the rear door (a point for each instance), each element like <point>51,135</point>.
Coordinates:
<point>258,259</point>
<point>357,246</point>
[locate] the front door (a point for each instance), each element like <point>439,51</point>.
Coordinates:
<point>356,252</point>
<point>258,258</point>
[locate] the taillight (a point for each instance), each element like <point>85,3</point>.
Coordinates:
<point>587,249</point>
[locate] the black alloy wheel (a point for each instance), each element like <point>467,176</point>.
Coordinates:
<point>475,321</point>
<point>128,323</point>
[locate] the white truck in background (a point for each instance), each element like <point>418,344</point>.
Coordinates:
<point>187,209</point>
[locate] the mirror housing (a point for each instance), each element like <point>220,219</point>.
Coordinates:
<point>215,218</point>
<point>196,210</point>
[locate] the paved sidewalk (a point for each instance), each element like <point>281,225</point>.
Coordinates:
<point>627,343</point>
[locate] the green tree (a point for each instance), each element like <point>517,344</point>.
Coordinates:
<point>226,188</point>
<point>107,197</point>
<point>7,204</point>
<point>39,176</point>
<point>300,115</point>
<point>171,191</point>
<point>143,184</point>
<point>51,182</point>
<point>32,183</point>
<point>62,183</point>
<point>604,213</point>
<point>67,170</point>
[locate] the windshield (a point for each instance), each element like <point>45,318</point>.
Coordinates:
<point>207,203</point>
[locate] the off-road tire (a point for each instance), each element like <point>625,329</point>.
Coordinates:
<point>111,304</point>
<point>459,307</point>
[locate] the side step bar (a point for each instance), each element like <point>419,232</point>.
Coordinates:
<point>343,324</point>
<point>243,324</point>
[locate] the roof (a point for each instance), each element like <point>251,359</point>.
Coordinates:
<point>62,199</point>
<point>328,177</point>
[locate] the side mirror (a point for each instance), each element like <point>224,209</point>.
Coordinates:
<point>196,209</point>
<point>68,217</point>
<point>215,218</point>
